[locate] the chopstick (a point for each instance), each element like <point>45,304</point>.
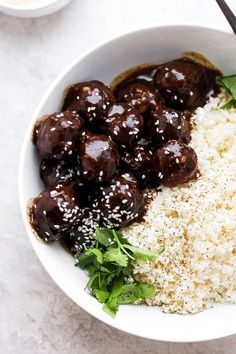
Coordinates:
<point>228,14</point>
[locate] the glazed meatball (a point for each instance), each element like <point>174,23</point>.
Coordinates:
<point>53,212</point>
<point>57,135</point>
<point>81,236</point>
<point>54,172</point>
<point>181,84</point>
<point>87,192</point>
<point>90,99</point>
<point>176,163</point>
<point>139,95</point>
<point>166,124</point>
<point>99,158</point>
<point>122,202</point>
<point>140,164</point>
<point>124,125</point>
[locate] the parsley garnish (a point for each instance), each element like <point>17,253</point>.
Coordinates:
<point>110,269</point>
<point>229,83</point>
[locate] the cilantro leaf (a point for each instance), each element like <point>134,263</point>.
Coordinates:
<point>229,105</point>
<point>117,288</point>
<point>93,282</point>
<point>133,292</point>
<point>104,236</point>
<point>139,253</point>
<point>85,260</point>
<point>130,293</point>
<point>229,83</point>
<point>115,255</point>
<point>88,257</point>
<point>101,295</point>
<point>111,311</point>
<point>95,252</point>
<point>109,265</point>
<point>123,240</point>
<point>148,291</point>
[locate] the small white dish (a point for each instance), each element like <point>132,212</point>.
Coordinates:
<point>33,8</point>
<point>153,45</point>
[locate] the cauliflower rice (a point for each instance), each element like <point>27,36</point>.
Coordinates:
<point>195,222</point>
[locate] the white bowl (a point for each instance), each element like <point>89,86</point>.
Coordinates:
<point>33,9</point>
<point>154,45</point>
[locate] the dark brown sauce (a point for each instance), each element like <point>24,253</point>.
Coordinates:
<point>144,120</point>
<point>147,72</point>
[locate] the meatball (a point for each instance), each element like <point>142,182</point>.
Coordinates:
<point>54,172</point>
<point>166,124</point>
<point>139,95</point>
<point>53,212</point>
<point>124,124</point>
<point>122,202</point>
<point>57,136</point>
<point>176,163</point>
<point>90,99</point>
<point>140,164</point>
<point>99,158</point>
<point>81,236</point>
<point>181,84</point>
<point>87,192</point>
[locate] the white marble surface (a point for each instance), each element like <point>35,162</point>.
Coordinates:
<point>35,316</point>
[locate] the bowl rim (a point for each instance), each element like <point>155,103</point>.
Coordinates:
<point>34,6</point>
<point>27,137</point>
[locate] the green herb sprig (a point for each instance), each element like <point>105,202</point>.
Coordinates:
<point>229,84</point>
<point>110,269</point>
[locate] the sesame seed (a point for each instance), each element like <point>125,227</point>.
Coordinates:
<point>53,193</point>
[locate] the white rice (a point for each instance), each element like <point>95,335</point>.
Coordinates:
<point>196,223</point>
